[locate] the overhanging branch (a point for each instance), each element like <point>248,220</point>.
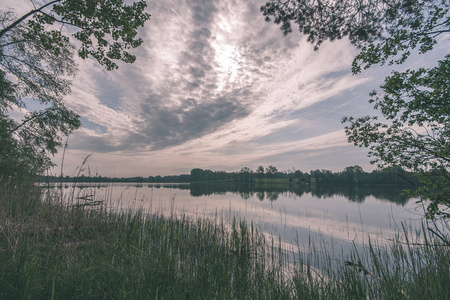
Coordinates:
<point>28,120</point>
<point>18,21</point>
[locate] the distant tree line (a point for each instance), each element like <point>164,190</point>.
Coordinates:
<point>270,174</point>
<point>183,178</point>
<point>354,175</point>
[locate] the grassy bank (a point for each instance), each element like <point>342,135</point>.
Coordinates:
<point>52,251</point>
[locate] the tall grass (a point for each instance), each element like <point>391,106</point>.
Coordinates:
<point>405,269</point>
<point>53,251</point>
<point>48,250</point>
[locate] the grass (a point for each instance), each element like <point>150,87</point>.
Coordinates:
<point>54,251</point>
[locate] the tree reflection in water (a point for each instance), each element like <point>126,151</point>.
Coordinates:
<point>354,193</point>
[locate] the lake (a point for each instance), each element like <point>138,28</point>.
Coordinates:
<point>338,217</point>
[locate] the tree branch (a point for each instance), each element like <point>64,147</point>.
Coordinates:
<point>11,43</point>
<point>437,32</point>
<point>28,120</point>
<point>61,21</point>
<point>18,21</point>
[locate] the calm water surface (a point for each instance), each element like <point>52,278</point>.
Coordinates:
<point>337,216</point>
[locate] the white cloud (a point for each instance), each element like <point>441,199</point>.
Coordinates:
<point>214,85</point>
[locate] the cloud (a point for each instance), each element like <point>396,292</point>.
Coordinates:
<point>185,90</point>
<point>214,85</point>
<point>19,7</point>
<point>304,155</point>
<point>175,124</point>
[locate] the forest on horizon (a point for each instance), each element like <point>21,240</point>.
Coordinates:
<point>268,175</point>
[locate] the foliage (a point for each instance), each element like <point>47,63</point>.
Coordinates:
<point>353,175</point>
<point>260,170</point>
<point>415,103</point>
<point>36,60</point>
<point>29,70</point>
<point>271,170</point>
<point>245,175</point>
<point>380,29</point>
<point>417,138</point>
<point>105,29</point>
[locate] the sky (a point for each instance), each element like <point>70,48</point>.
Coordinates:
<point>216,87</point>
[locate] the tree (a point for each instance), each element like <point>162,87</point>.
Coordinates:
<point>352,174</point>
<point>380,29</point>
<point>415,134</point>
<point>417,137</point>
<point>260,170</point>
<point>245,175</point>
<point>36,60</point>
<point>271,171</point>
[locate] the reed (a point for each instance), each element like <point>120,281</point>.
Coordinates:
<point>52,250</point>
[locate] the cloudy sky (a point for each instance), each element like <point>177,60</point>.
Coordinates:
<point>216,87</point>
